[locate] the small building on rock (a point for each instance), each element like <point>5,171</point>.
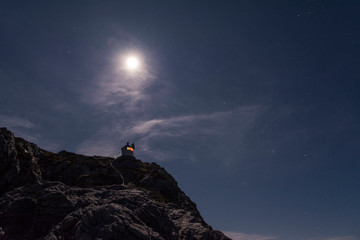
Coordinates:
<point>128,150</point>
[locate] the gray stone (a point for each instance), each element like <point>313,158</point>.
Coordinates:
<point>68,196</point>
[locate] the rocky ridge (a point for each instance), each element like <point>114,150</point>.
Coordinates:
<point>44,195</point>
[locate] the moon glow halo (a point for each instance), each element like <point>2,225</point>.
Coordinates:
<point>132,63</point>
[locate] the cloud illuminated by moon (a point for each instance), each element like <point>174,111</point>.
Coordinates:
<point>124,82</point>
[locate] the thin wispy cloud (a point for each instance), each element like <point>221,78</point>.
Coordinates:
<point>12,121</point>
<point>118,92</point>
<point>196,128</point>
<point>150,134</point>
<point>117,86</point>
<point>24,128</point>
<point>162,126</point>
<point>245,236</point>
<point>157,126</point>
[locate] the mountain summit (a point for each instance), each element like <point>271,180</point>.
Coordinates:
<point>70,196</point>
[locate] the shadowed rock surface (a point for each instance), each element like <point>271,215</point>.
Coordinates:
<point>69,196</point>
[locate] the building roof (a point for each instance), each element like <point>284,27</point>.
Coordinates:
<point>132,146</point>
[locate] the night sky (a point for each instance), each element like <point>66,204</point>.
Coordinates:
<point>252,106</point>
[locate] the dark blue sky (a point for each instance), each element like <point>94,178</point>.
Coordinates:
<point>253,106</point>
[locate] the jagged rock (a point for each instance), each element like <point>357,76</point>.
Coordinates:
<point>69,196</point>
<point>18,163</point>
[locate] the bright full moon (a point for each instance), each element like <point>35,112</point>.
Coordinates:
<point>132,63</point>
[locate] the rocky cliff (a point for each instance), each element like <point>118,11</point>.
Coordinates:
<point>69,196</point>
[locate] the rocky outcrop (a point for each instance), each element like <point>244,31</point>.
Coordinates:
<point>69,196</point>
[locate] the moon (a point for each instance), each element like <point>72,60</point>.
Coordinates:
<point>132,63</point>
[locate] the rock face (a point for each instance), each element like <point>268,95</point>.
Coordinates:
<point>69,196</point>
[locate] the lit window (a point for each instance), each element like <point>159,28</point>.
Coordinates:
<point>131,149</point>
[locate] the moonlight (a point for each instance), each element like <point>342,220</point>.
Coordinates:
<point>132,63</point>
